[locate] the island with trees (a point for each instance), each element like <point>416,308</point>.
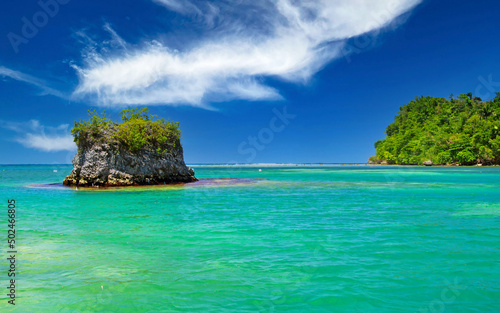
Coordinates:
<point>141,150</point>
<point>437,131</point>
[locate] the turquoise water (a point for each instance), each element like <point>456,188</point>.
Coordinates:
<point>336,239</point>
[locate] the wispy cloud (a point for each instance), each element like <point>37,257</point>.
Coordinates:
<point>45,138</point>
<point>251,41</point>
<point>115,38</point>
<point>204,11</point>
<point>180,6</point>
<point>25,78</point>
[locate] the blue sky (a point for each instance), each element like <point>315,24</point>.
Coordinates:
<point>262,81</point>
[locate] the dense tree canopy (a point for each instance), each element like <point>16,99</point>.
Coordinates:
<point>137,131</point>
<point>463,130</point>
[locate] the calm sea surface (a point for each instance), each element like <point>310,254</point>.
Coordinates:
<point>336,239</point>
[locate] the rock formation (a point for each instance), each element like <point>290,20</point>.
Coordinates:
<point>104,161</point>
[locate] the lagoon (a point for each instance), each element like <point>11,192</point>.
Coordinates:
<point>283,239</point>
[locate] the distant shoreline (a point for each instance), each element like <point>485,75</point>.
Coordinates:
<point>257,165</point>
<point>279,165</point>
<point>264,165</point>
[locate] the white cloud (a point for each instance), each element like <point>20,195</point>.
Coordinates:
<point>19,76</point>
<point>284,39</point>
<point>116,39</point>
<point>180,6</point>
<point>45,138</point>
<point>48,143</point>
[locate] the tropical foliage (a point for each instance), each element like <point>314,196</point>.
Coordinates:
<point>463,130</point>
<point>138,130</point>
<point>92,129</point>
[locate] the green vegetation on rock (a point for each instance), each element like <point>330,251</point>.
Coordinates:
<point>138,131</point>
<point>463,130</point>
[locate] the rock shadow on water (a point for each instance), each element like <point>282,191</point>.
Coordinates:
<point>204,182</point>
